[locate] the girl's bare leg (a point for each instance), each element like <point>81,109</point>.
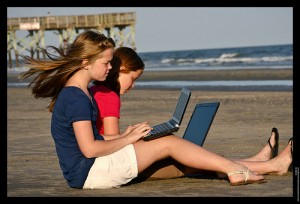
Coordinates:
<point>278,165</point>
<point>190,155</point>
<point>265,153</point>
<point>169,168</point>
<point>163,169</point>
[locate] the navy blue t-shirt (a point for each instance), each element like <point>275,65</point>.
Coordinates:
<point>72,105</point>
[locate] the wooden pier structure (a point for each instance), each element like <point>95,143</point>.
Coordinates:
<point>119,26</point>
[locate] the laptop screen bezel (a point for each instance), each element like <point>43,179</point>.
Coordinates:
<point>182,102</point>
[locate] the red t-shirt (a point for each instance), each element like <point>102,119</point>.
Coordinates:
<point>108,102</point>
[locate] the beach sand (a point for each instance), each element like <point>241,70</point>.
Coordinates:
<point>241,128</point>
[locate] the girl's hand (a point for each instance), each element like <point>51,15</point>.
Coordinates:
<point>131,127</point>
<point>137,131</point>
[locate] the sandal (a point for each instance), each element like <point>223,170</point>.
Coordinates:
<point>274,149</point>
<point>246,181</point>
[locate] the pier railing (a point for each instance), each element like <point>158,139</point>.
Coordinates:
<point>64,22</point>
<point>119,26</point>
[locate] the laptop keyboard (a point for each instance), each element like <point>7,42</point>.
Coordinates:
<point>161,130</point>
<point>163,127</point>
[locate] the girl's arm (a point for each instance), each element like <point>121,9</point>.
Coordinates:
<point>95,148</point>
<point>111,128</point>
<point>111,125</point>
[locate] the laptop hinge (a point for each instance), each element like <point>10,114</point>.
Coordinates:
<point>173,123</point>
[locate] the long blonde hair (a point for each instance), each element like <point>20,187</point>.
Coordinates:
<point>51,75</point>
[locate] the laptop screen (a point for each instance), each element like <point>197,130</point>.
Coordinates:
<point>200,122</point>
<point>181,105</point>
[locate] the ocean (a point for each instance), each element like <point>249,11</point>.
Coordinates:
<point>276,56</point>
<point>255,57</point>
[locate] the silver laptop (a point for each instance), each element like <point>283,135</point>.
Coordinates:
<point>200,122</point>
<point>173,124</point>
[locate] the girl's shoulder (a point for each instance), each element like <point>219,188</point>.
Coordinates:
<point>73,98</point>
<point>104,95</point>
<point>71,90</point>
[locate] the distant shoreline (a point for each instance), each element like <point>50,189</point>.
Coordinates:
<point>198,76</point>
<point>201,75</point>
<point>208,75</point>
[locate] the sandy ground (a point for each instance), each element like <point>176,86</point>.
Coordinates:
<point>241,128</point>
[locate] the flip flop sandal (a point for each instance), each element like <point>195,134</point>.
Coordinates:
<point>274,149</point>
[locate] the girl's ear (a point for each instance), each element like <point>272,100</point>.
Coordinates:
<point>122,68</point>
<point>84,63</point>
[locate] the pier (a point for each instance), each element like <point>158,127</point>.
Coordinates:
<point>119,26</point>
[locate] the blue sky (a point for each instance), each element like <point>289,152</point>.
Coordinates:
<point>184,28</point>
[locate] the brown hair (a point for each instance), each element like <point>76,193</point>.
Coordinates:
<point>51,75</point>
<point>126,57</point>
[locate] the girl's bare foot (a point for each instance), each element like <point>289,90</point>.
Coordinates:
<point>284,159</point>
<point>266,153</point>
<point>244,176</point>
